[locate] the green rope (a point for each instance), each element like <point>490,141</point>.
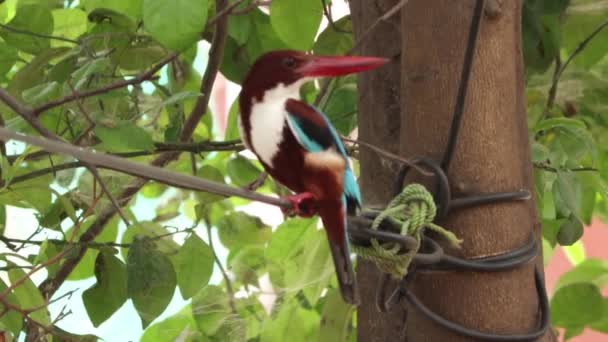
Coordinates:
<point>413,209</point>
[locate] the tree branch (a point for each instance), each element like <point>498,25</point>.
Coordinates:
<point>125,83</point>
<point>199,147</point>
<point>50,285</point>
<point>147,172</point>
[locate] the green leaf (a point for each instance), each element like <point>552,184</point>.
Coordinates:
<point>254,314</point>
<point>332,42</point>
<point>296,21</point>
<point>42,93</point>
<point>241,171</point>
<point>29,296</point>
<point>232,124</point>
<point>193,265</point>
<point>30,18</point>
<point>238,229</point>
<point>239,27</point>
<point>287,239</point>
<point>8,58</point>
<point>48,250</point>
<point>211,173</point>
<point>53,216</point>
<point>551,229</point>
<point>32,74</point>
<point>341,108</point>
<point>601,324</point>
<point>151,280</point>
<point>263,37</point>
<point>140,56</point>
<point>236,61</point>
<point>12,320</point>
<point>313,267</point>
<point>575,252</point>
<point>152,230</point>
<point>2,219</point>
<point>86,267</point>
<point>292,323</point>
<point>210,309</point>
<point>568,187</point>
<point>124,136</point>
<point>109,20</point>
<point>336,318</point>
<point>247,264</point>
<point>576,305</point>
<point>594,271</point>
<point>69,23</point>
<point>106,296</point>
<point>299,258</point>
<point>559,122</point>
<point>131,8</point>
<point>32,194</point>
<point>176,24</point>
<point>570,231</point>
<point>179,327</point>
<point>578,26</point>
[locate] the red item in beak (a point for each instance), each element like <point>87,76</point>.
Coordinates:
<point>330,66</point>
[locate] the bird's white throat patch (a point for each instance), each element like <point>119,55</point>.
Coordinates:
<point>268,119</point>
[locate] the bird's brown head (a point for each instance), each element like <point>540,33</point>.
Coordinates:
<point>288,66</point>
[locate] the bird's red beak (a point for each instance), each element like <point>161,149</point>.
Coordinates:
<point>330,66</point>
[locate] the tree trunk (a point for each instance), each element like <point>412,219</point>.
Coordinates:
<point>491,155</point>
<point>379,124</point>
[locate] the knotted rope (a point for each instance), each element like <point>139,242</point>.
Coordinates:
<point>413,210</point>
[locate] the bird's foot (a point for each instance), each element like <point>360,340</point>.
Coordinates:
<point>303,204</point>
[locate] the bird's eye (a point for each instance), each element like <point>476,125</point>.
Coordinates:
<point>289,62</point>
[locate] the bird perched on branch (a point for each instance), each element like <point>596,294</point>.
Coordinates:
<point>298,146</point>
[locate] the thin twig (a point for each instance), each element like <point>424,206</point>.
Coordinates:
<point>389,155</point>
<point>330,18</point>
<point>560,69</point>
<point>125,83</point>
<point>386,16</point>
<point>90,244</point>
<point>549,168</point>
<point>107,192</point>
<point>38,35</point>
<point>251,7</point>
<point>227,280</point>
<point>226,11</point>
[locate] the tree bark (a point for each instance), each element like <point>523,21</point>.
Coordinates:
<point>492,155</point>
<point>379,124</point>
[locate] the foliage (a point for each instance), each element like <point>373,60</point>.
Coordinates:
<point>565,49</point>
<point>52,52</point>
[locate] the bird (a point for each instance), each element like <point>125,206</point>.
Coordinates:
<point>298,146</point>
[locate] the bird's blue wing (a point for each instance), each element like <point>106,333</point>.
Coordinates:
<point>315,133</point>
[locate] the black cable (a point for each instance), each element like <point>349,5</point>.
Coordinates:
<point>464,84</point>
<point>498,263</point>
<point>459,329</point>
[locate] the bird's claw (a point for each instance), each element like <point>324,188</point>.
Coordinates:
<point>303,205</point>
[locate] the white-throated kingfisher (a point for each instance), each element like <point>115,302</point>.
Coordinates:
<point>298,146</point>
